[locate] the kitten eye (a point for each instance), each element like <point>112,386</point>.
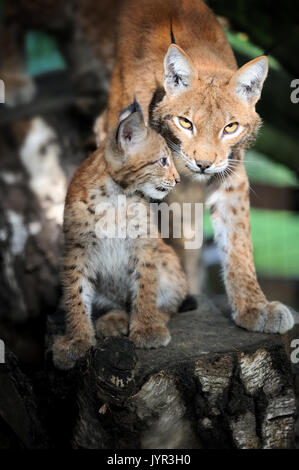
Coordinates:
<point>231,128</point>
<point>185,123</point>
<point>164,161</point>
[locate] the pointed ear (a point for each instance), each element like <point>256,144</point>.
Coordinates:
<point>248,81</point>
<point>134,107</point>
<point>131,128</point>
<point>178,70</point>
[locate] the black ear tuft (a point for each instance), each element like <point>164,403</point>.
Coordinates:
<point>131,129</point>
<point>248,81</point>
<point>178,71</point>
<point>137,107</point>
<point>134,107</point>
<point>172,38</point>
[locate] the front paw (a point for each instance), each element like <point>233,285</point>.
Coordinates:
<point>66,351</point>
<point>272,317</point>
<point>150,337</point>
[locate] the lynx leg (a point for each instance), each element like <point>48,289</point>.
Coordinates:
<point>148,324</point>
<point>172,285</point>
<point>78,299</point>
<point>191,193</point>
<point>230,215</point>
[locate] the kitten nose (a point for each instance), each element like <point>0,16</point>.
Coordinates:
<point>177,180</point>
<point>203,164</point>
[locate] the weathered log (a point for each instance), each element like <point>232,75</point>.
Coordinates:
<point>39,155</point>
<point>20,424</point>
<point>214,386</point>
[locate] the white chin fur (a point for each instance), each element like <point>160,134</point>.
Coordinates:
<point>202,177</point>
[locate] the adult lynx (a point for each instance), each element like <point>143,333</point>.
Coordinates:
<point>205,109</point>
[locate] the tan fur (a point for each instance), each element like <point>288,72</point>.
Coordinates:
<point>134,35</point>
<point>211,93</point>
<point>143,272</point>
<point>143,40</point>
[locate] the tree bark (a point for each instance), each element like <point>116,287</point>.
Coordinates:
<point>20,424</point>
<point>214,386</point>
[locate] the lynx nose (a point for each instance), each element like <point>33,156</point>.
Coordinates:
<point>177,180</point>
<point>203,165</point>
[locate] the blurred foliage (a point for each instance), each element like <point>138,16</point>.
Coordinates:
<point>271,25</point>
<point>277,144</point>
<point>241,44</point>
<point>42,54</point>
<point>275,236</point>
<point>261,169</point>
<point>279,136</point>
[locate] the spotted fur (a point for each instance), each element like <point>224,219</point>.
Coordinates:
<point>132,39</point>
<point>120,276</point>
<point>197,78</point>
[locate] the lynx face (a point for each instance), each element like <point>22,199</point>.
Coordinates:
<point>139,157</point>
<point>204,117</point>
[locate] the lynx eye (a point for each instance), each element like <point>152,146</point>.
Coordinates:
<point>185,123</point>
<point>164,161</point>
<point>231,128</point>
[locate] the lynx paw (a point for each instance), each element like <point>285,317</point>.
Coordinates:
<point>67,351</point>
<point>150,337</point>
<point>114,323</point>
<point>273,317</point>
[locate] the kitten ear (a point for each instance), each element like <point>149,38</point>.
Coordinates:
<point>248,81</point>
<point>134,107</point>
<point>131,127</point>
<point>178,70</point>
